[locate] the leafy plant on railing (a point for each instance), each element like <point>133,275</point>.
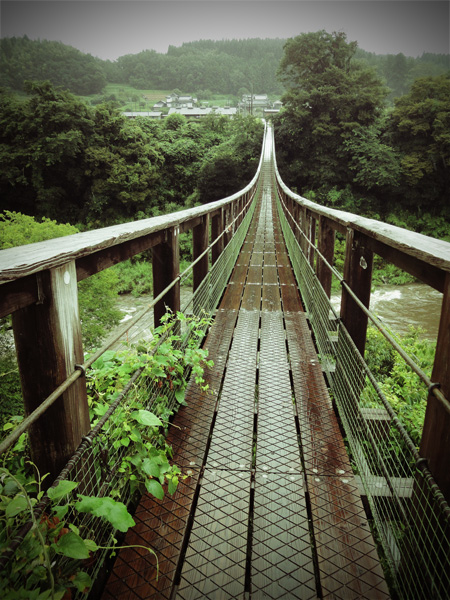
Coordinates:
<point>134,433</point>
<point>50,560</point>
<point>33,572</point>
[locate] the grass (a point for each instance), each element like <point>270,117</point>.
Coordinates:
<point>129,97</point>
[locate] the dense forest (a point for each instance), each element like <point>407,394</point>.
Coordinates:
<point>227,67</point>
<point>22,59</point>
<point>66,160</point>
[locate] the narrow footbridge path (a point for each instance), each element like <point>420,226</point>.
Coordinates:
<point>270,507</point>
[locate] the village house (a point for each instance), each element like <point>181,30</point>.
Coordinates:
<point>199,112</point>
<point>149,114</point>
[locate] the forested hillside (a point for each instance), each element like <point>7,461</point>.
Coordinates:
<point>227,67</point>
<point>22,59</point>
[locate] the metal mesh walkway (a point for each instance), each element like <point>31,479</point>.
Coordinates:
<point>270,508</point>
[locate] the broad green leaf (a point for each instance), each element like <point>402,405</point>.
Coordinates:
<point>155,488</point>
<point>150,466</point>
<point>173,484</point>
<point>10,487</point>
<point>61,511</point>
<point>16,506</point>
<point>91,545</point>
<point>161,360</point>
<point>114,512</point>
<point>82,582</point>
<point>145,417</point>
<point>74,528</point>
<point>62,489</point>
<point>73,546</point>
<point>179,395</point>
<point>158,372</point>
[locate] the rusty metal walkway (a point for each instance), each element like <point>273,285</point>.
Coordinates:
<point>270,507</point>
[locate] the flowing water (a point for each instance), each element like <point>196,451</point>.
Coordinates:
<point>130,305</point>
<point>404,305</point>
<point>397,306</point>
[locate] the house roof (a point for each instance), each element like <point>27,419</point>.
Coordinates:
<point>152,113</point>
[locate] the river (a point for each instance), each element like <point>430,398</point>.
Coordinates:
<point>397,306</point>
<point>404,305</point>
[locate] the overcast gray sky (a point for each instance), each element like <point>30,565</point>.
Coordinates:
<point>112,28</point>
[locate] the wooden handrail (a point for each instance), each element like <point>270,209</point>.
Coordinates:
<point>431,251</point>
<point>29,259</point>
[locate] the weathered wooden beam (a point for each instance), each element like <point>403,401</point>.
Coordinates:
<point>435,445</point>
<point>188,225</point>
<point>358,275</point>
<point>294,210</point>
<point>103,259</point>
<point>166,267</point>
<point>227,224</point>
<point>379,487</point>
<point>414,265</point>
<point>18,294</point>
<point>200,244</point>
<point>48,345</point>
<point>325,242</point>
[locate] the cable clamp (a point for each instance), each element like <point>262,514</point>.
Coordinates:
<point>81,368</point>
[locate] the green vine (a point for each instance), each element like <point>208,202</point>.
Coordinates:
<point>53,557</point>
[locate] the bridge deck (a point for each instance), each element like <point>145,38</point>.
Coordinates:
<point>271,508</point>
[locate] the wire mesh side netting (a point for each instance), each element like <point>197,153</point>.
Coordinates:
<point>408,514</point>
<point>100,467</point>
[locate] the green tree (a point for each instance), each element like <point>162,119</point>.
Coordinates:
<point>23,59</point>
<point>330,98</point>
<point>230,166</point>
<point>374,163</point>
<point>420,127</point>
<point>63,159</point>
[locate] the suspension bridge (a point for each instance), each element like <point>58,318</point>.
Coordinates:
<point>300,480</point>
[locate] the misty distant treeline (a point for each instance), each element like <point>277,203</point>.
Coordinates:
<point>22,59</point>
<point>225,67</point>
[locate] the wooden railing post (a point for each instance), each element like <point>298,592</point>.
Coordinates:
<point>166,267</point>
<point>48,345</point>
<point>304,228</point>
<point>297,221</point>
<point>325,242</point>
<point>200,235</point>
<point>216,230</point>
<point>435,445</point>
<point>358,275</point>
<point>312,238</point>
<point>227,224</point>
